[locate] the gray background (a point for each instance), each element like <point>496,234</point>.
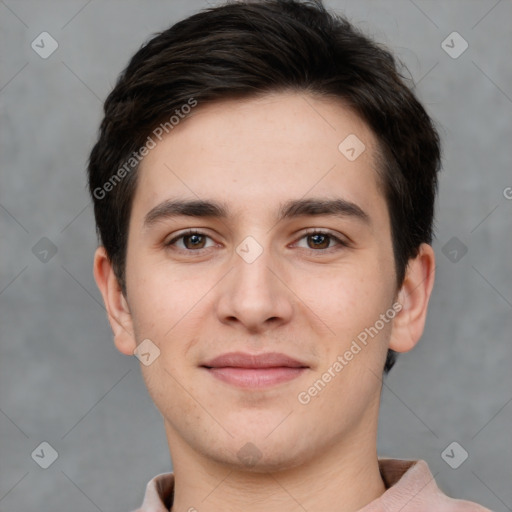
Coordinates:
<point>61,379</point>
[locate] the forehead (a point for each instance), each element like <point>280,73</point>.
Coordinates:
<point>254,153</point>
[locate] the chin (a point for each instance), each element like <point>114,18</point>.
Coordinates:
<point>264,463</point>
<point>264,454</point>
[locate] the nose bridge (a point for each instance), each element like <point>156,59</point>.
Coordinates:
<point>252,261</point>
<point>252,293</point>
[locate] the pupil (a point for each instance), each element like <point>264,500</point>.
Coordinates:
<point>318,239</point>
<point>195,239</point>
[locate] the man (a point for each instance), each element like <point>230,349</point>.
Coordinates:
<point>264,187</point>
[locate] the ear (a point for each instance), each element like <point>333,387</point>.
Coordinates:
<point>118,311</point>
<point>413,296</point>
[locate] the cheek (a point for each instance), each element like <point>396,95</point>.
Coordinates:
<point>160,298</point>
<point>348,298</point>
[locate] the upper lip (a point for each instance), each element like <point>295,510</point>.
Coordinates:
<point>243,360</point>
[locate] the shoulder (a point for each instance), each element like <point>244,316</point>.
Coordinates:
<point>411,487</point>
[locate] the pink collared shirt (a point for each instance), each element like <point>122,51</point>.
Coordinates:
<point>410,487</point>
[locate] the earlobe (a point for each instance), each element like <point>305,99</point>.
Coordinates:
<point>413,297</point>
<point>118,311</point>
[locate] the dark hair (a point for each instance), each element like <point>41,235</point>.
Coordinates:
<point>245,49</point>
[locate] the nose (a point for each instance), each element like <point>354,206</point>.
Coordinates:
<point>254,295</point>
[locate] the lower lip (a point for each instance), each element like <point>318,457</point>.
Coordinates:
<point>256,377</point>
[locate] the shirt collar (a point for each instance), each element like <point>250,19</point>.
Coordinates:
<point>410,487</point>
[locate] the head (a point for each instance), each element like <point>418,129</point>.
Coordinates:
<point>281,122</point>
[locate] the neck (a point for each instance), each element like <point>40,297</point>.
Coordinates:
<point>343,478</point>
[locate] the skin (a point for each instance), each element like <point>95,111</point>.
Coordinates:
<point>295,298</point>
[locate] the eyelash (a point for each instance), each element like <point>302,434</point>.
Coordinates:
<point>310,232</point>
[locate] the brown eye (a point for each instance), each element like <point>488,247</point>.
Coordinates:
<point>319,241</point>
<point>195,241</point>
<point>189,241</point>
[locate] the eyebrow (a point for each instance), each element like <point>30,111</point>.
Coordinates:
<point>291,209</point>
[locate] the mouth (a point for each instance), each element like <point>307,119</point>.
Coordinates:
<point>255,371</point>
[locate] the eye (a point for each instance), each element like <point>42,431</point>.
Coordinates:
<point>321,240</point>
<point>191,240</point>
<point>316,240</point>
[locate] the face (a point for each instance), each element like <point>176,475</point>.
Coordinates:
<point>293,258</point>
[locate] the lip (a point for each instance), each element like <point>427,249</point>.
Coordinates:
<point>254,361</point>
<point>255,370</point>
